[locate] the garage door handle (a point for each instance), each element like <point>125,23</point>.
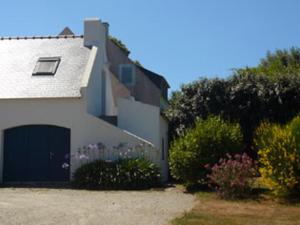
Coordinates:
<point>51,154</point>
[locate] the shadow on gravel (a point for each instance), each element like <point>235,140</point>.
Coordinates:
<point>63,185</point>
<point>70,185</point>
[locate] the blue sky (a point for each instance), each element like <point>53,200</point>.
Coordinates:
<point>182,40</point>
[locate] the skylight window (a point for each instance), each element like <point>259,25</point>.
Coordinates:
<point>46,66</point>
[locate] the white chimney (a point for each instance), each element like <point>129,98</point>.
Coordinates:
<point>95,32</point>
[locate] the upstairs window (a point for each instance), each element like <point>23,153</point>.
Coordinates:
<point>46,66</point>
<point>127,74</point>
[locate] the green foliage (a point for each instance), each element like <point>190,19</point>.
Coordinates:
<point>233,177</point>
<point>205,144</point>
<point>281,62</point>
<point>197,99</point>
<point>140,173</point>
<point>279,156</point>
<point>270,91</point>
<point>247,99</point>
<point>120,44</point>
<point>137,62</point>
<point>122,174</point>
<point>294,126</point>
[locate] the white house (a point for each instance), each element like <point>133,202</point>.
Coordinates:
<point>59,93</point>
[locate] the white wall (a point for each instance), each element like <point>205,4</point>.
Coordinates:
<point>164,129</point>
<point>140,119</point>
<point>68,113</point>
<point>93,84</point>
<point>145,121</point>
<point>110,105</point>
<point>95,36</point>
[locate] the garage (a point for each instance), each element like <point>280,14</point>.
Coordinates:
<point>36,153</point>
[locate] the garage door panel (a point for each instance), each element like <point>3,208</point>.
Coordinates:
<point>15,143</point>
<point>38,162</point>
<point>59,140</point>
<point>36,153</point>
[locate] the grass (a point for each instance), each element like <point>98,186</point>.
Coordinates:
<point>210,210</point>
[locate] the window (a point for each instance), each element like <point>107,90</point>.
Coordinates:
<point>127,74</point>
<point>46,66</point>
<point>162,149</point>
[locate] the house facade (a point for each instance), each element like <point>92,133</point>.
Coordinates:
<point>60,93</point>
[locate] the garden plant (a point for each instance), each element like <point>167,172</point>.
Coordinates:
<point>206,143</point>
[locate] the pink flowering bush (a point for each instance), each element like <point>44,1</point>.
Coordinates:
<point>233,176</point>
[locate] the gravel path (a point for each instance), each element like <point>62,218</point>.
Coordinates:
<point>65,206</point>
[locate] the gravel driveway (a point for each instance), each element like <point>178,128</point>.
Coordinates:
<point>65,206</point>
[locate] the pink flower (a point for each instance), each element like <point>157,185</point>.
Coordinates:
<point>206,166</point>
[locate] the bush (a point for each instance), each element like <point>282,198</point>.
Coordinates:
<point>139,173</point>
<point>233,176</point>
<point>279,156</point>
<point>294,126</point>
<point>248,99</point>
<point>209,141</point>
<point>122,174</point>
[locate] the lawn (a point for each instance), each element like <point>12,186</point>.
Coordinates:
<point>210,210</point>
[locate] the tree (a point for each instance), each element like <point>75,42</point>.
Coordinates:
<point>280,63</point>
<point>250,96</point>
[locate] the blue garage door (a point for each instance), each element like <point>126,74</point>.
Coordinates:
<point>36,153</point>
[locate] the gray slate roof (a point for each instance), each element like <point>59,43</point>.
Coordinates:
<point>154,77</point>
<point>18,59</point>
<point>66,31</point>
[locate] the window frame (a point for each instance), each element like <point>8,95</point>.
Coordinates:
<point>163,149</point>
<point>40,60</point>
<point>133,80</point>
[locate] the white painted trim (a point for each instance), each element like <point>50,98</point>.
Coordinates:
<point>137,137</point>
<point>89,67</point>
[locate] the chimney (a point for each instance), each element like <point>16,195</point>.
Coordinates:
<point>106,25</point>
<point>95,32</point>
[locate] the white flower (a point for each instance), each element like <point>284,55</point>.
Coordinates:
<point>83,156</point>
<point>65,166</point>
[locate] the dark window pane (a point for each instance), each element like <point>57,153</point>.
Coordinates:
<point>46,66</point>
<point>126,75</point>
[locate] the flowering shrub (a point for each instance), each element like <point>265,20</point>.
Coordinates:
<point>209,141</point>
<point>233,176</point>
<point>122,166</point>
<point>279,156</point>
<point>122,174</point>
<point>90,152</point>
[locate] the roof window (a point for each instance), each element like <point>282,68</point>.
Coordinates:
<point>46,66</point>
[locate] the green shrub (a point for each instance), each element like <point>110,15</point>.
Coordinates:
<point>122,174</point>
<point>294,126</point>
<point>205,144</point>
<point>279,156</point>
